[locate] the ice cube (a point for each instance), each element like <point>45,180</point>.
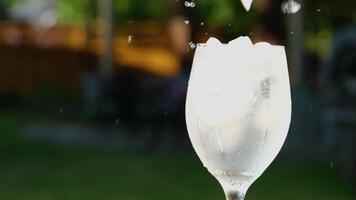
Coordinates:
<point>213,42</point>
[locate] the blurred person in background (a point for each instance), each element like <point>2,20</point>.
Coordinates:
<point>168,114</point>
<point>339,112</point>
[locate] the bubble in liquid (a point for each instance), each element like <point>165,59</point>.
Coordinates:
<point>189,4</point>
<point>265,88</point>
<point>192,45</point>
<point>290,7</point>
<point>218,133</point>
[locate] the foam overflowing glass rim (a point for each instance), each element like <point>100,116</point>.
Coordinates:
<point>214,41</point>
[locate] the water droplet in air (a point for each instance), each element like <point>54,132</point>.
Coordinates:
<point>186,21</point>
<point>292,32</point>
<point>331,163</point>
<point>189,4</point>
<point>192,45</point>
<point>206,33</point>
<point>201,23</point>
<point>318,10</point>
<point>129,39</point>
<point>290,7</point>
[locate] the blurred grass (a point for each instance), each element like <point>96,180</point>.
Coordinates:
<point>33,170</point>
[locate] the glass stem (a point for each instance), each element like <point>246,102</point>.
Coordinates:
<point>235,196</point>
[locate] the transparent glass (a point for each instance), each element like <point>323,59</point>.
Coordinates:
<point>238,109</point>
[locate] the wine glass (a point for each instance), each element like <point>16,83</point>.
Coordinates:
<point>238,109</point>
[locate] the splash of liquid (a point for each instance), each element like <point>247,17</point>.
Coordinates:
<point>290,7</point>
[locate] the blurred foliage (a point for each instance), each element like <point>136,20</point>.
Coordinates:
<point>214,12</point>
<point>333,9</point>
<point>10,3</point>
<point>137,10</point>
<point>222,12</point>
<point>321,17</point>
<point>77,12</point>
<point>217,12</point>
<point>318,33</point>
<point>318,42</point>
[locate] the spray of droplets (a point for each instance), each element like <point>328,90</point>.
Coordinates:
<point>290,7</point>
<point>190,4</point>
<point>192,45</point>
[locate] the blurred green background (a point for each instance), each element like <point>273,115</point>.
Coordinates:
<point>37,170</point>
<point>92,98</point>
